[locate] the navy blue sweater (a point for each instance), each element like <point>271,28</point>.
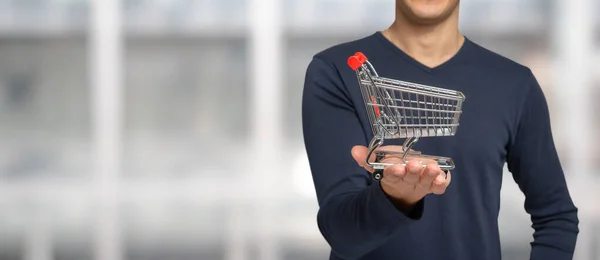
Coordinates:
<point>505,119</point>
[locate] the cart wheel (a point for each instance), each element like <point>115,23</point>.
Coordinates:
<point>377,175</point>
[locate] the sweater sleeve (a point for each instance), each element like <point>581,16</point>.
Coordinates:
<point>534,163</point>
<point>355,217</point>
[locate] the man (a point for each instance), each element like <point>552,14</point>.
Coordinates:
<point>414,212</point>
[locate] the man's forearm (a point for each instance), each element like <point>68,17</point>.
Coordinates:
<point>555,236</point>
<point>356,223</point>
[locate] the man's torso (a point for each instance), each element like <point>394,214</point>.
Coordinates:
<point>463,221</point>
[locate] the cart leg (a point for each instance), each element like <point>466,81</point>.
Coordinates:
<point>375,143</point>
<point>378,173</point>
<point>408,145</point>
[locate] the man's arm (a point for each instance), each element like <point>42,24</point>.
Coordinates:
<point>536,168</point>
<point>354,217</point>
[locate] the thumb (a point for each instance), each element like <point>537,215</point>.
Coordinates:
<point>359,153</point>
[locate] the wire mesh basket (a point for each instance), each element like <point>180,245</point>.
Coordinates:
<point>399,109</point>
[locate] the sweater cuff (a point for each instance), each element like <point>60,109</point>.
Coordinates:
<point>540,252</point>
<point>385,204</point>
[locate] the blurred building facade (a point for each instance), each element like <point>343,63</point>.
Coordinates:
<point>211,161</point>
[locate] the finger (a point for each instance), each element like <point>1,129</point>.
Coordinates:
<point>359,153</point>
<point>413,172</point>
<point>440,183</point>
<point>394,173</point>
<point>428,175</point>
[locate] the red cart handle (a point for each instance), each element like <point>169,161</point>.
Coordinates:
<point>357,60</point>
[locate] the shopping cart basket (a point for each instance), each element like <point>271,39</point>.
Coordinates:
<point>399,109</point>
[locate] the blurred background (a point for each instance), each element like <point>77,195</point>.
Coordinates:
<point>171,129</point>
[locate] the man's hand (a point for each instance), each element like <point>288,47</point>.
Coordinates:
<point>406,184</point>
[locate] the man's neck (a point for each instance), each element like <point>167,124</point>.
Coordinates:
<point>431,45</point>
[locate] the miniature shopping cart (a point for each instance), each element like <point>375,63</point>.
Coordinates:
<point>398,109</point>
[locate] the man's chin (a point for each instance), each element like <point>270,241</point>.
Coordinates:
<point>422,20</point>
<point>424,14</point>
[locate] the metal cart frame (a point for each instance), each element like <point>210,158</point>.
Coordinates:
<point>399,109</point>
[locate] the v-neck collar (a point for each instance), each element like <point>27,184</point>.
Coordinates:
<point>418,64</point>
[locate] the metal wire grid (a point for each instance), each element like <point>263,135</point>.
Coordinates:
<point>399,109</point>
